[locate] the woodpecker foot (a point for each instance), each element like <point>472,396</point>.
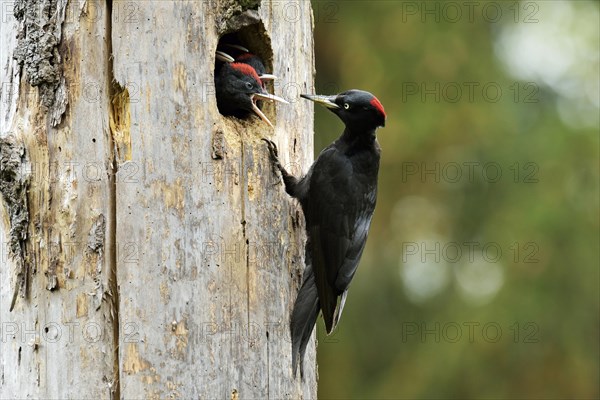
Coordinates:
<point>273,154</point>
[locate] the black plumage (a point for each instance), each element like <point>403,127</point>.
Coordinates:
<point>338,196</point>
<point>238,90</point>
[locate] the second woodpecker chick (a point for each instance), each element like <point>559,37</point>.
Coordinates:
<point>241,54</point>
<point>255,62</point>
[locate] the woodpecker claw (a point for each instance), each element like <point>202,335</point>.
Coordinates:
<point>273,154</point>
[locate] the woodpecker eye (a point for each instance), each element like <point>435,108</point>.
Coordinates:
<point>346,106</point>
<point>249,85</point>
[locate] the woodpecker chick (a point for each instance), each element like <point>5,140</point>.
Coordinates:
<point>255,62</point>
<point>337,196</point>
<point>243,55</point>
<point>238,88</point>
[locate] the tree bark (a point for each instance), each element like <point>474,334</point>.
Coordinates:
<point>151,249</point>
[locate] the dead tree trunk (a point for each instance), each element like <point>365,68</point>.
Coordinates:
<point>150,248</point>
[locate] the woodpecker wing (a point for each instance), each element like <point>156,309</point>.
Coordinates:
<point>338,214</point>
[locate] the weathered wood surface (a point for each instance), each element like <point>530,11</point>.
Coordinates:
<point>175,267</point>
<point>58,340</point>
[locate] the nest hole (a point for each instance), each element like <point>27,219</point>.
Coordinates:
<point>254,38</point>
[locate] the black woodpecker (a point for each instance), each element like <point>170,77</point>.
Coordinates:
<point>255,62</point>
<point>241,54</point>
<point>238,88</point>
<point>337,196</point>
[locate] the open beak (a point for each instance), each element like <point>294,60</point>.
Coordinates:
<point>325,101</point>
<point>222,56</point>
<point>267,77</point>
<point>268,97</point>
<point>237,46</point>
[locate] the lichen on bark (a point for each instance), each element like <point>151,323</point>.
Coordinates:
<point>14,181</point>
<point>37,52</point>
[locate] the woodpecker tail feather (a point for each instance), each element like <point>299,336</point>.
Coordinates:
<point>304,317</point>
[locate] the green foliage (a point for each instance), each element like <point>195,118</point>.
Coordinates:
<point>505,172</point>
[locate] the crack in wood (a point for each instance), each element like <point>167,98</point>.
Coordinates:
<point>120,122</point>
<point>53,255</point>
<point>118,98</point>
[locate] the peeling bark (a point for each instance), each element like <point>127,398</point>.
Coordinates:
<point>97,235</point>
<point>218,145</point>
<point>14,181</point>
<point>39,34</point>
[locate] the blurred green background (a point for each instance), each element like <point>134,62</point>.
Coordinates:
<point>481,274</point>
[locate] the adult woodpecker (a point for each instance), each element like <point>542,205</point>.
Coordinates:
<point>238,88</point>
<point>337,196</point>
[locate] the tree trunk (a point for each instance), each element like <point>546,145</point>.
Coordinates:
<point>151,250</point>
